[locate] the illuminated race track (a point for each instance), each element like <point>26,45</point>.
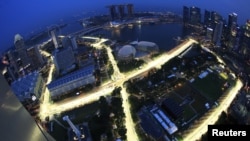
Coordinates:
<point>48,109</point>
<point>200,129</point>
<point>196,133</point>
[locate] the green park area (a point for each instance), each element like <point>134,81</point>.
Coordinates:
<point>210,86</point>
<point>100,116</point>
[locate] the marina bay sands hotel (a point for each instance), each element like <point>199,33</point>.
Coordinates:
<point>120,11</point>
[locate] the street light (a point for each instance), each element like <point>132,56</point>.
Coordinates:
<point>33,98</point>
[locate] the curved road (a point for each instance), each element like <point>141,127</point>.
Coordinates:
<point>48,109</point>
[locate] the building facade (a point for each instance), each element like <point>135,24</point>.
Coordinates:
<point>20,48</point>
<point>207,18</point>
<point>54,38</point>
<point>121,10</point>
<point>63,59</point>
<point>245,40</point>
<point>72,81</point>
<point>185,15</point>
<point>35,57</point>
<point>130,8</point>
<point>16,122</point>
<point>25,87</point>
<point>195,16</point>
<point>217,33</point>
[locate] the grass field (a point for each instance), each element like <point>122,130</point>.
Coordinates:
<point>210,86</point>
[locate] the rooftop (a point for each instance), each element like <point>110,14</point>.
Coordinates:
<point>23,86</point>
<point>72,76</point>
<point>17,38</point>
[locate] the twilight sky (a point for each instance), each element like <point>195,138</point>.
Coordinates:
<point>27,16</point>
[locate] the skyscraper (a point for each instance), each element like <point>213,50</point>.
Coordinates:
<point>231,33</point>
<point>73,42</point>
<point>232,19</point>
<point>121,11</point>
<point>195,15</point>
<point>12,67</point>
<point>16,123</point>
<point>35,57</point>
<point>54,38</point>
<point>245,40</point>
<point>130,8</point>
<point>207,18</point>
<point>69,41</point>
<point>247,29</point>
<point>215,17</point>
<point>64,60</point>
<point>112,12</point>
<point>209,33</point>
<point>217,33</point>
<point>20,48</point>
<point>185,15</point>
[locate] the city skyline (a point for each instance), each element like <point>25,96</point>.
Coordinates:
<point>175,69</point>
<point>36,16</point>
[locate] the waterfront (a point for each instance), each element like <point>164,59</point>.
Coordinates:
<point>163,35</point>
<point>166,36</point>
<point>54,14</point>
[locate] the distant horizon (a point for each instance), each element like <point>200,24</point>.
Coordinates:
<point>25,17</point>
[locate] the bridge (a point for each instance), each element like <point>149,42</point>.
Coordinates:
<point>85,31</point>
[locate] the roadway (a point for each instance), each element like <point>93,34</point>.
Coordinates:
<point>213,116</point>
<point>199,130</point>
<point>49,109</point>
<point>45,105</point>
<point>121,79</point>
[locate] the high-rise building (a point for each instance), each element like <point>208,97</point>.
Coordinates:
<point>64,60</point>
<point>118,11</point>
<point>28,86</point>
<point>66,42</point>
<point>112,12</point>
<point>73,42</point>
<point>217,33</point>
<point>207,18</point>
<point>245,40</point>
<point>54,38</point>
<point>231,30</point>
<point>195,15</point>
<point>215,17</point>
<point>185,15</point>
<point>12,67</point>
<point>23,60</point>
<point>121,11</point>
<point>247,29</point>
<point>35,56</point>
<point>16,122</point>
<point>130,8</point>
<point>69,41</point>
<point>209,33</point>
<point>232,20</point>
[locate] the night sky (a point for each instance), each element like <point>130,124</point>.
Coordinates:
<point>30,16</point>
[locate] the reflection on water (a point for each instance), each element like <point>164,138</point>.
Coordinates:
<point>115,31</point>
<point>163,35</point>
